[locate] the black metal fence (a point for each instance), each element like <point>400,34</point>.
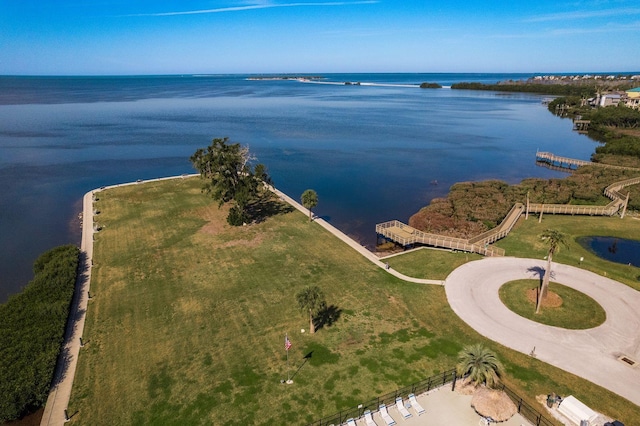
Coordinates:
<point>525,410</point>
<point>388,399</point>
<point>433,382</point>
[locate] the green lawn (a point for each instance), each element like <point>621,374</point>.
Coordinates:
<point>577,312</point>
<point>432,264</point>
<point>187,320</point>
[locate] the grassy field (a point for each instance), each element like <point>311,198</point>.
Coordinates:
<point>187,320</point>
<point>430,263</point>
<point>577,311</point>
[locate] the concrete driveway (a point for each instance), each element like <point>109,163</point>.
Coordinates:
<point>472,291</point>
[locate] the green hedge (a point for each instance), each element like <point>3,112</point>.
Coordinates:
<point>32,326</point>
<point>615,116</point>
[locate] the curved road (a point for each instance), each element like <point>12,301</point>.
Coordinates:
<point>472,291</point>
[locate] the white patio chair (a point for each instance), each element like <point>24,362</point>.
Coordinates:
<point>405,413</point>
<point>416,406</point>
<point>385,415</point>
<point>368,418</point>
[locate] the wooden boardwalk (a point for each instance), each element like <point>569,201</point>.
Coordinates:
<point>565,163</point>
<point>406,235</point>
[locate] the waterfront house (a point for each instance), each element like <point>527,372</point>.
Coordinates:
<point>609,99</point>
<point>633,98</point>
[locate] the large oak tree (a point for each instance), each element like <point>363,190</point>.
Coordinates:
<point>230,177</point>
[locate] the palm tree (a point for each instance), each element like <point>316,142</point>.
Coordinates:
<point>311,299</point>
<point>480,364</point>
<point>309,200</point>
<point>554,238</point>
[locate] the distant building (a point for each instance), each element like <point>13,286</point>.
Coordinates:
<point>633,98</point>
<point>610,99</point>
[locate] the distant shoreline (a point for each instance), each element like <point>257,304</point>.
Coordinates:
<point>286,77</point>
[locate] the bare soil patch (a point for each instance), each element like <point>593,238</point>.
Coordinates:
<point>553,300</point>
<point>215,217</point>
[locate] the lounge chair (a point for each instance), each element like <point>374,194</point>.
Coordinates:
<point>351,422</point>
<point>405,413</point>
<point>415,405</point>
<point>385,415</point>
<point>368,418</point>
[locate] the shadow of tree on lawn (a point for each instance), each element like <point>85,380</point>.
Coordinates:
<point>267,206</point>
<point>326,317</point>
<point>540,271</point>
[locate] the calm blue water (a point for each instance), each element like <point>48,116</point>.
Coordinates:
<point>617,250</point>
<point>369,151</point>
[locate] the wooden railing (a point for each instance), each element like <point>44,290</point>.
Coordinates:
<point>555,160</point>
<point>501,230</point>
<point>566,162</point>
<point>406,235</point>
<point>575,209</point>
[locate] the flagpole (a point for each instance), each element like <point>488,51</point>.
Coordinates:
<point>287,345</point>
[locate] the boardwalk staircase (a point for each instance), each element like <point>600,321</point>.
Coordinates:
<point>406,235</point>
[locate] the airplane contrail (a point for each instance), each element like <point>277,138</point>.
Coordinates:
<point>253,7</point>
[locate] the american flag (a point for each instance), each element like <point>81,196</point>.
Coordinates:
<point>287,343</point>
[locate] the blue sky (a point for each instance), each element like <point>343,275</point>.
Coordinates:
<point>71,37</point>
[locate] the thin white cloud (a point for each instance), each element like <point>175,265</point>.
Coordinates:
<point>581,14</point>
<point>258,6</point>
<point>609,28</point>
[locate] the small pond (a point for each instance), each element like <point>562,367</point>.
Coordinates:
<point>617,250</point>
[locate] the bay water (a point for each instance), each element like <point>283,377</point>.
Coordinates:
<point>374,151</point>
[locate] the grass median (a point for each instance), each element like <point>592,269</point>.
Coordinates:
<point>187,320</point>
<point>566,308</point>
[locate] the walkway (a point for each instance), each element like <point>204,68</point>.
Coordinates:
<point>406,235</point>
<point>572,163</point>
<point>472,291</point>
<point>353,244</point>
<point>58,400</point>
<point>55,409</point>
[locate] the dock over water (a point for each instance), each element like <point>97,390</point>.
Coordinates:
<point>562,162</point>
<point>408,236</point>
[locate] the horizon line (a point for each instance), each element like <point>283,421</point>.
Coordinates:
<point>292,74</point>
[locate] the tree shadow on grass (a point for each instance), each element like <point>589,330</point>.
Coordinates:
<point>266,207</point>
<point>326,317</point>
<point>540,271</point>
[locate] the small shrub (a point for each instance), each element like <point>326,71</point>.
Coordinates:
<point>236,217</point>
